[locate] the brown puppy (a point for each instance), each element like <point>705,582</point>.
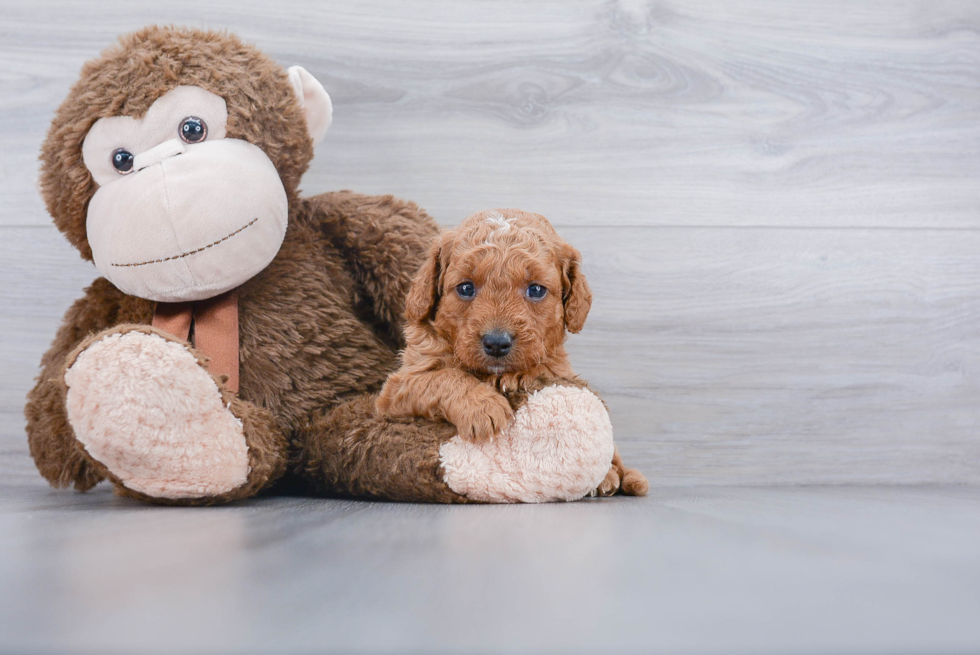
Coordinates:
<point>486,325</point>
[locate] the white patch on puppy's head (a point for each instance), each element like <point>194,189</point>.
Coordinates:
<point>499,223</point>
<point>497,220</point>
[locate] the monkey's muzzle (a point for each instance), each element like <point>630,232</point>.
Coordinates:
<point>190,222</point>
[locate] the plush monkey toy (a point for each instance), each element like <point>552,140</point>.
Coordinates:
<point>239,330</point>
<point>231,310</point>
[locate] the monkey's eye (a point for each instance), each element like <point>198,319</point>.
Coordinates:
<point>535,291</point>
<point>193,130</point>
<point>466,290</point>
<point>122,161</point>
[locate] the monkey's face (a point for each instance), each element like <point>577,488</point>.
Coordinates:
<point>181,212</point>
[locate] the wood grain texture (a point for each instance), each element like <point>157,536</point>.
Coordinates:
<point>777,202</point>
<point>705,570</point>
<point>594,113</point>
<point>787,356</point>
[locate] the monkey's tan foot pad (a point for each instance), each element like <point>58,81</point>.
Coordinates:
<point>558,447</point>
<point>145,408</point>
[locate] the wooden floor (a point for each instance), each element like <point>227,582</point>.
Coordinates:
<point>698,570</point>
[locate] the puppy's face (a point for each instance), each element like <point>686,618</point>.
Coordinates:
<point>500,292</point>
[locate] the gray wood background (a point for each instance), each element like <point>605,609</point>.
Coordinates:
<point>778,202</point>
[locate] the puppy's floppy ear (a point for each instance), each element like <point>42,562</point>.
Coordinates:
<point>423,296</point>
<point>576,296</point>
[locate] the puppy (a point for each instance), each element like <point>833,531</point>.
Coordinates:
<point>486,324</point>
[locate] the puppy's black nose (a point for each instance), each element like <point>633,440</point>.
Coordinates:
<point>497,343</point>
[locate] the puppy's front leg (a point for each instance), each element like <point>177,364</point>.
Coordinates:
<point>476,409</point>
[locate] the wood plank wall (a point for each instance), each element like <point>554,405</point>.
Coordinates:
<point>778,203</point>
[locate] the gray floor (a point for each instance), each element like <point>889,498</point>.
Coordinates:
<point>697,570</point>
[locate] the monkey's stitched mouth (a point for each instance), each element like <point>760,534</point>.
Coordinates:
<point>195,251</point>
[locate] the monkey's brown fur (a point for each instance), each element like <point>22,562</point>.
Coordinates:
<point>318,326</point>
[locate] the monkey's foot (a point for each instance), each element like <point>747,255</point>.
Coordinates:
<point>558,447</point>
<point>145,408</point>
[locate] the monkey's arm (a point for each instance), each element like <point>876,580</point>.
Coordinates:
<point>385,241</point>
<point>58,455</point>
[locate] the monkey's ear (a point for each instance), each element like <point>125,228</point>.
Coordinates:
<point>576,296</point>
<point>314,100</point>
<point>423,298</point>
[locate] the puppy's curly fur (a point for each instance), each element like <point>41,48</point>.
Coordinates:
<point>487,318</point>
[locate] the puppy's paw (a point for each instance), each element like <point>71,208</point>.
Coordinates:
<point>610,484</point>
<point>635,483</point>
<point>483,416</point>
<point>621,479</point>
<point>509,382</point>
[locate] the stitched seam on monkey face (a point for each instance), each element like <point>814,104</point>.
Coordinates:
<point>170,221</point>
<point>192,252</point>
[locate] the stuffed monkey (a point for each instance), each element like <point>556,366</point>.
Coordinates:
<point>231,311</point>
<point>239,330</point>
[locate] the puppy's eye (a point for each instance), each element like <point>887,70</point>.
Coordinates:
<point>466,290</point>
<point>122,161</point>
<point>536,292</point>
<point>193,130</point>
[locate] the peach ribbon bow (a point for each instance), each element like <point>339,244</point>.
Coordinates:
<point>215,330</point>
